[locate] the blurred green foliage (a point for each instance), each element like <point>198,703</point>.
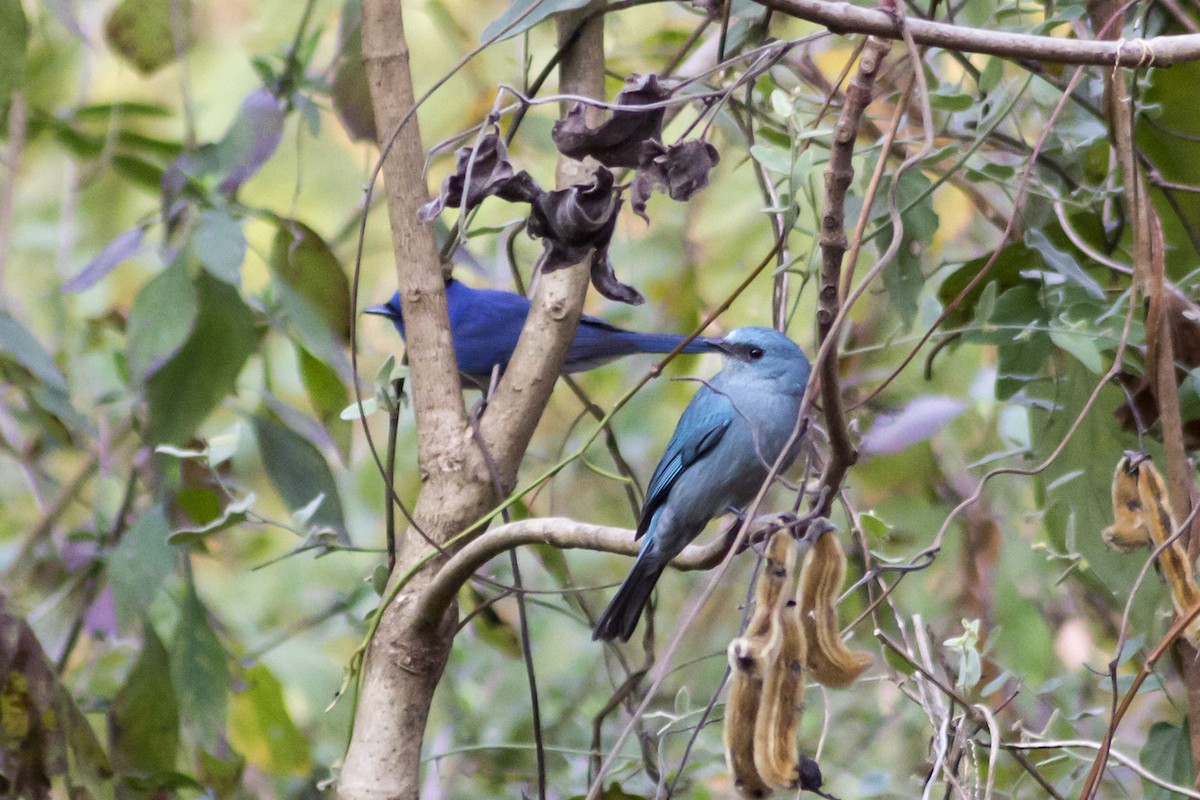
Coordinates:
<point>191,529</point>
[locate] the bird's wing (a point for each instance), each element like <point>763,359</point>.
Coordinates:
<point>701,427</point>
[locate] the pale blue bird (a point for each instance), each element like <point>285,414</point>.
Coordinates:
<point>486,323</point>
<point>728,438</point>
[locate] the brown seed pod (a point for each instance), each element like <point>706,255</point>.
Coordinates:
<point>775,753</point>
<point>750,658</point>
<point>1127,533</point>
<point>831,662</point>
<point>1177,569</point>
<point>741,710</point>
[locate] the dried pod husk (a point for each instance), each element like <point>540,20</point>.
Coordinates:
<point>1127,533</point>
<point>1177,569</point>
<point>741,711</point>
<point>750,658</point>
<point>830,661</point>
<point>775,754</point>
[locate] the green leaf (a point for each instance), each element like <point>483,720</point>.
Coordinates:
<point>299,472</point>
<point>14,37</point>
<point>1167,753</point>
<point>542,9</point>
<point>1063,263</point>
<point>873,525</point>
<point>18,344</point>
<point>350,92</point>
<point>183,392</point>
<point>904,278</point>
<point>163,316</point>
<point>138,565</point>
<point>326,391</point>
<point>261,728</point>
<point>144,717</point>
<point>199,671</point>
<point>1081,344</point>
<point>222,775</point>
<point>150,33</point>
<point>773,157</point>
<point>310,278</point>
<point>1004,274</point>
<point>220,245</point>
<point>328,396</point>
<point>234,514</point>
<point>951,101</point>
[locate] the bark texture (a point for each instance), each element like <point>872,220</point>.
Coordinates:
<point>404,663</point>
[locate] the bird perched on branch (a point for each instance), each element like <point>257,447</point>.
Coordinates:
<point>486,323</point>
<point>729,436</point>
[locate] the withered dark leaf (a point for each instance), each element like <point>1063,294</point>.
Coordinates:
<point>627,138</point>
<point>606,283</point>
<point>491,174</point>
<point>681,170</point>
<point>577,221</point>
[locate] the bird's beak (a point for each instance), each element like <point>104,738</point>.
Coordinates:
<point>718,344</point>
<point>382,311</point>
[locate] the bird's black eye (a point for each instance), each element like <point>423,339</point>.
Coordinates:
<point>756,353</point>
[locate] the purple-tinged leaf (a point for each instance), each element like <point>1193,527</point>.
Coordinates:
<point>123,247</point>
<point>101,618</point>
<point>251,140</point>
<point>490,174</point>
<point>627,138</point>
<point>921,419</point>
<point>681,170</point>
<point>68,16</point>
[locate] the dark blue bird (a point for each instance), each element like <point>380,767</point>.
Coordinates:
<point>486,323</point>
<point>724,445</point>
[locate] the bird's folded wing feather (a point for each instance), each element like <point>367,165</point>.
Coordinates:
<point>701,427</point>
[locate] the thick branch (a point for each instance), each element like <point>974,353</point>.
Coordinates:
<point>557,300</point>
<point>838,175</point>
<point>565,534</point>
<point>1159,51</point>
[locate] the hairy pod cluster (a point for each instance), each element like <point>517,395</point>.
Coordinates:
<point>821,578</point>
<point>1142,516</point>
<point>762,714</point>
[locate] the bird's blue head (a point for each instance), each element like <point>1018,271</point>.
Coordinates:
<point>391,309</point>
<point>763,354</point>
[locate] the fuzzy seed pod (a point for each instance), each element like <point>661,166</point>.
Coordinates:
<point>831,662</point>
<point>741,710</point>
<point>775,754</point>
<point>1127,533</point>
<point>1177,569</point>
<point>751,658</point>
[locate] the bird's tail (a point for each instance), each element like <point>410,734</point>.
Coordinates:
<point>621,616</point>
<point>666,342</point>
